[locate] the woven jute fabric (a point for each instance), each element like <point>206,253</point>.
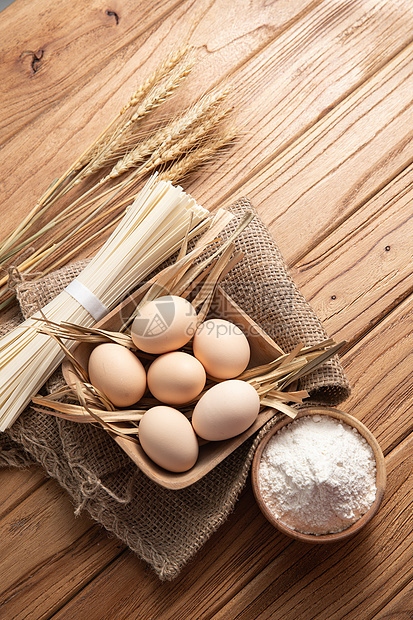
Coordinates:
<point>164,527</point>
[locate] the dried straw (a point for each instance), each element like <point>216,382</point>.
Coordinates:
<point>269,390</point>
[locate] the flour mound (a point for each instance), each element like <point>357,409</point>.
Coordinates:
<point>318,475</point>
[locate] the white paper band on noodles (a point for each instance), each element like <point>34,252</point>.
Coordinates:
<point>87,299</point>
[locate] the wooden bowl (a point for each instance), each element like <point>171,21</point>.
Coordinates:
<point>263,350</point>
<point>380,478</point>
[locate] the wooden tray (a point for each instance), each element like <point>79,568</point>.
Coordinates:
<point>263,350</point>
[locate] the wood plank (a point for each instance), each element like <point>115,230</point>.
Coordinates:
<point>360,271</point>
<point>341,40</point>
<point>78,42</point>
<point>338,581</point>
<point>305,72</point>
<point>16,484</point>
<point>81,91</point>
<point>400,607</point>
<point>243,538</point>
<point>379,369</point>
<point>58,52</point>
<point>300,77</point>
<point>386,411</point>
<point>245,546</point>
<point>343,57</point>
<point>324,176</point>
<point>364,366</point>
<point>47,552</point>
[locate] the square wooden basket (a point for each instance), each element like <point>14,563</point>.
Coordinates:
<point>263,350</point>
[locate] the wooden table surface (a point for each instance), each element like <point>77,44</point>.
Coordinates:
<point>324,102</point>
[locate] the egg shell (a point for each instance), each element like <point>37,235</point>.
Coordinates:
<point>226,410</point>
<point>118,373</point>
<point>222,348</point>
<point>168,438</point>
<point>164,324</point>
<point>176,378</point>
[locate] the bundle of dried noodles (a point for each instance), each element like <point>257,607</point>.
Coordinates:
<point>153,227</point>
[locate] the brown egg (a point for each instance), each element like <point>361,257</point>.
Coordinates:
<point>222,348</point>
<point>118,373</point>
<point>226,410</point>
<point>176,378</point>
<point>164,324</point>
<point>168,438</point>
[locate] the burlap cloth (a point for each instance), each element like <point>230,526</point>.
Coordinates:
<point>166,528</point>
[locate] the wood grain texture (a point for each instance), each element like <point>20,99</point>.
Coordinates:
<point>249,543</point>
<point>17,484</point>
<point>38,536</point>
<point>382,400</point>
<point>358,272</point>
<point>379,368</point>
<point>60,52</point>
<point>278,97</point>
<point>85,89</point>
<point>246,546</point>
<point>315,183</point>
<point>400,607</point>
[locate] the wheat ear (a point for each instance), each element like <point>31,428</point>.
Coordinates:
<point>189,162</point>
<point>195,119</point>
<point>189,142</point>
<point>196,158</point>
<point>66,181</point>
<point>112,144</point>
<point>163,70</point>
<point>136,98</point>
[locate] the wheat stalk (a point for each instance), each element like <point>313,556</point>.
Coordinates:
<point>142,91</point>
<point>189,139</point>
<point>76,225</point>
<point>155,96</point>
<point>71,236</point>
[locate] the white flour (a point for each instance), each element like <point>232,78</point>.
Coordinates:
<point>318,475</point>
